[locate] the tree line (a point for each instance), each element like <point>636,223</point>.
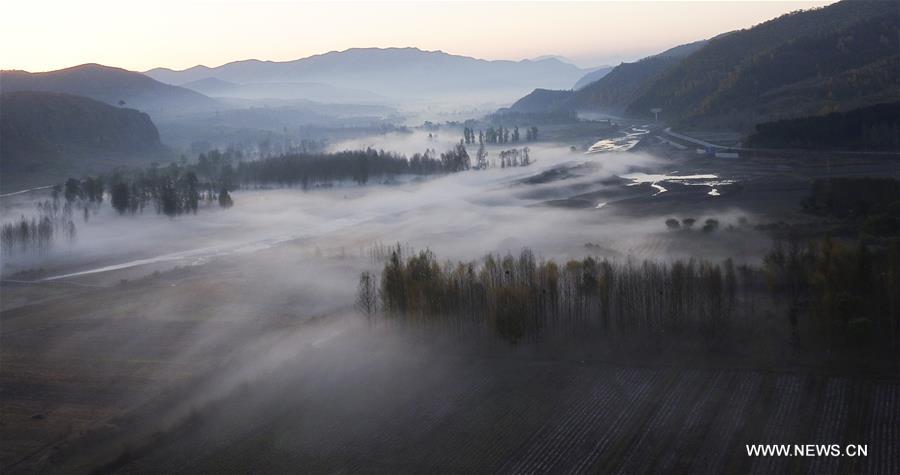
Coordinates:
<point>498,135</point>
<point>862,206</point>
<point>174,190</point>
<point>515,158</point>
<point>830,296</point>
<point>38,233</point>
<point>868,128</point>
<point>508,158</point>
<point>842,294</point>
<point>183,188</point>
<point>522,298</point>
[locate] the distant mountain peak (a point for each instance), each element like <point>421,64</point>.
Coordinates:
<point>91,68</point>
<point>553,57</point>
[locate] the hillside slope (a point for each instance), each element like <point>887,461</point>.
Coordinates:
<point>46,136</point>
<point>612,92</point>
<point>807,63</point>
<point>764,73</point>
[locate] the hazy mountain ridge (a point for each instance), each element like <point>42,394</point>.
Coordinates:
<point>110,85</point>
<point>592,76</point>
<point>46,134</point>
<point>392,72</point>
<point>210,86</point>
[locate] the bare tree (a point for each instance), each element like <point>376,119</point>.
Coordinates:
<point>367,296</point>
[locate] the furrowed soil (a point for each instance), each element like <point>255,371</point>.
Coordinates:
<point>144,377</point>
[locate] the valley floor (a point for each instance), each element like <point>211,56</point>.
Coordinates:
<point>255,362</point>
<point>144,378</point>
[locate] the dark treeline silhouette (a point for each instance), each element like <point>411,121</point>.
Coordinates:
<point>507,117</point>
<point>311,169</point>
<point>38,233</point>
<point>828,296</point>
<point>173,190</point>
<point>507,158</point>
<point>456,159</point>
<point>869,128</point>
<point>519,297</point>
<point>843,295</point>
<point>27,235</point>
<point>515,158</point>
<point>709,225</point>
<point>843,197</point>
<point>498,135</point>
<point>182,188</point>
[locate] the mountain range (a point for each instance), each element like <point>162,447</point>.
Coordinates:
<point>397,73</point>
<point>822,62</point>
<point>354,76</point>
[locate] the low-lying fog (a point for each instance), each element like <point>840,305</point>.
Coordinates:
<point>459,216</point>
<point>241,312</point>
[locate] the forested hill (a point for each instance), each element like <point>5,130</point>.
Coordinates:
<point>617,89</point>
<point>47,135</point>
<point>612,92</point>
<point>835,58</point>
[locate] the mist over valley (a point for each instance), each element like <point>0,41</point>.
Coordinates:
<point>405,260</point>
